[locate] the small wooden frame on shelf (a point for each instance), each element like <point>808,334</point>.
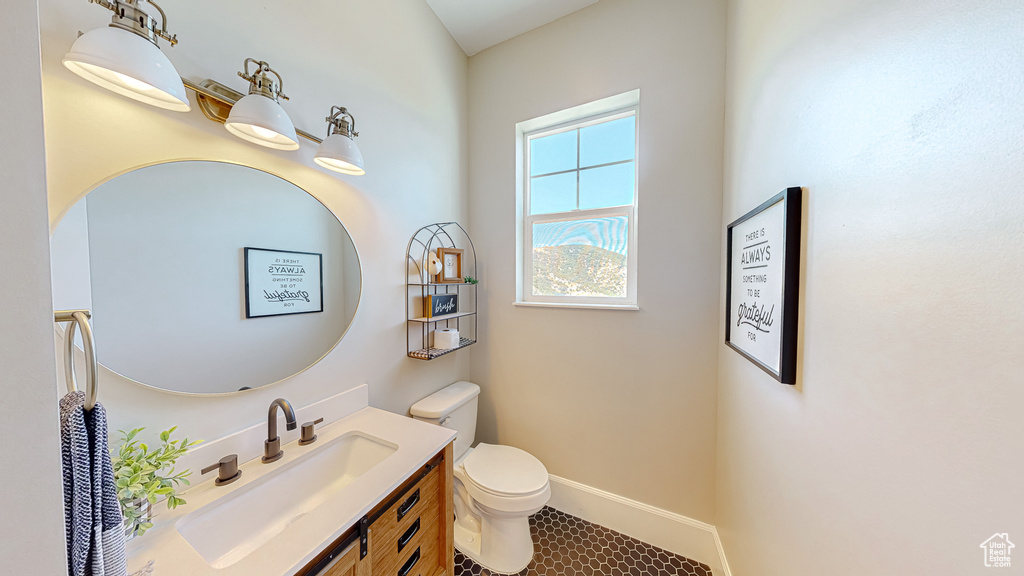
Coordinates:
<point>451,265</point>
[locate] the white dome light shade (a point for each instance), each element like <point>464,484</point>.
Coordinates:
<point>340,153</point>
<point>130,65</point>
<point>262,121</point>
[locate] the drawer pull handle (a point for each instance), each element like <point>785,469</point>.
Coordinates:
<point>404,571</point>
<point>408,534</point>
<point>408,504</point>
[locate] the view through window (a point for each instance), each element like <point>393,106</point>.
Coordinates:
<point>580,211</point>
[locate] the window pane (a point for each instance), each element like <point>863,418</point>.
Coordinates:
<point>553,153</point>
<point>608,142</point>
<point>580,257</point>
<point>553,193</point>
<point>607,186</point>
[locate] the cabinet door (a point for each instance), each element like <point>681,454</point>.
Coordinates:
<point>348,564</point>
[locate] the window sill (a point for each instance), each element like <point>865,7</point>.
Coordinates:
<point>580,306</point>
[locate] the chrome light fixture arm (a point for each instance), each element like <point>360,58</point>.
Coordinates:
<point>341,122</point>
<point>129,15</point>
<point>258,81</point>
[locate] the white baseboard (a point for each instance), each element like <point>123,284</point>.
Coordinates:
<point>674,532</point>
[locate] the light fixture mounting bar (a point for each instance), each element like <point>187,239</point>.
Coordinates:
<point>225,95</point>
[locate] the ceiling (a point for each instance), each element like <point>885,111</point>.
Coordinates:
<point>480,24</point>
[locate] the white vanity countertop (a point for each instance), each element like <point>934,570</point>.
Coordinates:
<point>303,539</point>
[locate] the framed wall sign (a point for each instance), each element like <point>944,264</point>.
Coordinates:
<point>440,304</point>
<point>281,282</point>
<point>451,265</point>
<point>762,283</point>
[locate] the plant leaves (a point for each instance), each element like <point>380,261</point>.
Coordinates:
<point>145,474</point>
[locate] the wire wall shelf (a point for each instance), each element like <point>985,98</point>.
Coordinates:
<point>423,286</point>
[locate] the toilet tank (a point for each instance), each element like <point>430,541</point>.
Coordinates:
<point>454,407</point>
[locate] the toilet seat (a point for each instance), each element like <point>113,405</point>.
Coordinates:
<point>504,480</point>
<point>505,471</point>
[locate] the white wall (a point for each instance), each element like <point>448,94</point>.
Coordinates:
<point>70,269</point>
<point>621,401</point>
<point>899,449</point>
<point>32,533</point>
<point>402,76</point>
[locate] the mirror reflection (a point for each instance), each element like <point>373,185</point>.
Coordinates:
<point>206,277</point>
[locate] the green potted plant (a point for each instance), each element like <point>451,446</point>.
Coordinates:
<point>141,480</point>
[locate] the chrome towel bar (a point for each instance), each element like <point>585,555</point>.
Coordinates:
<point>79,319</point>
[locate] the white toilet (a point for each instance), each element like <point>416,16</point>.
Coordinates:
<point>497,488</point>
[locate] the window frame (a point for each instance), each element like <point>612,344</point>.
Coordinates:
<point>526,221</point>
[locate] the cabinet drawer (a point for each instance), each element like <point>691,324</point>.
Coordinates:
<point>419,504</point>
<point>419,557</point>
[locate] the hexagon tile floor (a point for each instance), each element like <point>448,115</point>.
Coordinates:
<point>568,546</point>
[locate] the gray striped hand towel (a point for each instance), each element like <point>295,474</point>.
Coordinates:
<point>93,524</point>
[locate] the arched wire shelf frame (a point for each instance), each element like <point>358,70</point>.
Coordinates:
<point>422,285</point>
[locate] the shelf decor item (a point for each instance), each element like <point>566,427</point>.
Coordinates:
<point>440,304</point>
<point>279,282</point>
<point>762,285</point>
<point>433,265</point>
<point>446,338</point>
<point>451,265</point>
<point>141,480</point>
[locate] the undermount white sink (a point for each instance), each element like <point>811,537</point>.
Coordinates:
<point>230,528</point>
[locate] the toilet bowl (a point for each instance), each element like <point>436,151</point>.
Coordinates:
<point>497,487</point>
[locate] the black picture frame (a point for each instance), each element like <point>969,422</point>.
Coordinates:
<point>748,312</point>
<point>319,283</point>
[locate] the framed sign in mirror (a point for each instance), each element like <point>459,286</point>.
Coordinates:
<point>762,284</point>
<point>279,282</point>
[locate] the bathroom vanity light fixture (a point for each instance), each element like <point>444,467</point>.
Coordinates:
<point>125,57</point>
<point>338,151</point>
<point>259,117</point>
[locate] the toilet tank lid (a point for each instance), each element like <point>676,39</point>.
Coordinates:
<point>444,401</point>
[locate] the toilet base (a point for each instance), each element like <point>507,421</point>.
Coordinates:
<point>511,545</point>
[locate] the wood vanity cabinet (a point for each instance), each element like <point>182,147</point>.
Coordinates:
<point>410,533</point>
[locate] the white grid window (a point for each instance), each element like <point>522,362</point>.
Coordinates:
<point>579,211</point>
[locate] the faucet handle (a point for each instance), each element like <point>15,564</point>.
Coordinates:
<point>308,437</point>
<point>227,470</point>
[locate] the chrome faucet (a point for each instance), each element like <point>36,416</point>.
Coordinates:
<point>272,447</point>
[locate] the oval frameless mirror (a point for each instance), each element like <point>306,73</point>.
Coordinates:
<point>206,277</point>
